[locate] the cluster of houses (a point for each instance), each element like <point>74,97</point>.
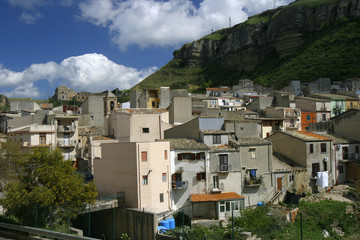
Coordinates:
<point>209,155</point>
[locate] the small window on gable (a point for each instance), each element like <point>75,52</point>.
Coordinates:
<point>143,156</point>
<point>252,152</point>
<point>164,177</point>
<point>145,180</point>
<point>323,147</point>
<point>165,154</point>
<point>216,139</point>
<point>145,130</point>
<point>200,176</point>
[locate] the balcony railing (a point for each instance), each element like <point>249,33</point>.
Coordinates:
<point>66,128</point>
<point>66,143</point>
<point>297,114</point>
<point>324,109</point>
<point>253,182</point>
<point>353,156</point>
<point>224,168</point>
<point>71,157</point>
<point>179,184</point>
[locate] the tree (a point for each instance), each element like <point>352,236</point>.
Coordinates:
<point>48,190</point>
<point>10,155</point>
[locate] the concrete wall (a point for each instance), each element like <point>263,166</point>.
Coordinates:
<point>117,170</point>
<point>348,126</point>
<point>135,223</point>
<point>188,169</point>
<point>180,110</point>
<point>208,139</point>
<point>187,130</point>
<point>94,107</point>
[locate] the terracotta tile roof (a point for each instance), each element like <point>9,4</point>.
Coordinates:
<point>183,143</point>
<point>214,197</point>
<point>311,134</point>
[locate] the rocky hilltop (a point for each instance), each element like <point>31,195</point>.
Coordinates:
<point>273,35</point>
<point>280,30</point>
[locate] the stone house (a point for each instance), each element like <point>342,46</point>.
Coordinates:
<point>137,125</point>
<point>64,93</point>
<point>309,150</point>
<point>141,170</point>
<point>255,169</point>
<point>189,170</point>
<point>346,153</point>
<point>321,107</point>
<point>291,116</point>
<point>180,110</point>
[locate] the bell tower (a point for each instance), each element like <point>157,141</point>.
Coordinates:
<point>110,103</point>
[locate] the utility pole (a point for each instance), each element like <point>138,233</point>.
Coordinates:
<point>229,21</point>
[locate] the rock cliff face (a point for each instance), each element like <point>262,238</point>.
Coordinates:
<point>280,31</point>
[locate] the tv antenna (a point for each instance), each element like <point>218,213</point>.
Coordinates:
<point>229,21</point>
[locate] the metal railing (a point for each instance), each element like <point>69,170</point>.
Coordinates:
<point>66,128</point>
<point>179,184</point>
<point>66,143</point>
<point>224,168</point>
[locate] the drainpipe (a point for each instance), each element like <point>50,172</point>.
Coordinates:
<point>139,175</point>
<point>270,163</point>
<point>335,169</point>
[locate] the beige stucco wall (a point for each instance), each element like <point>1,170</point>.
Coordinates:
<point>121,170</point>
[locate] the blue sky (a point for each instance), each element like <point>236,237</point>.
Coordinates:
<point>98,45</point>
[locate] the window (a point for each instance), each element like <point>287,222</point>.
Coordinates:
<point>200,155</point>
<point>341,169</point>
<point>224,164</point>
<point>186,156</point>
<point>215,182</point>
<point>356,149</point>
<point>291,178</point>
<point>252,152</point>
<point>153,104</point>
<point>311,148</point>
<point>42,139</point>
<point>164,178</point>
<point>216,139</point>
<point>252,174</point>
<point>161,197</point>
<point>143,156</point>
<point>145,130</point>
<point>324,117</point>
<point>307,117</point>
<point>200,176</point>
<point>315,169</point>
<point>325,166</point>
<point>145,180</point>
<point>165,155</point>
<point>323,148</point>
<point>345,152</point>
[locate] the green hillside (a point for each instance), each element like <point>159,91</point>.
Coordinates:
<point>334,52</point>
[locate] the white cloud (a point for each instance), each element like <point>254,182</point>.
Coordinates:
<point>24,90</point>
<point>167,23</point>
<point>29,18</point>
<point>89,72</point>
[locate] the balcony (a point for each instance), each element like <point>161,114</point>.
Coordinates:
<point>293,126</point>
<point>224,168</point>
<point>66,128</point>
<point>353,156</point>
<point>253,182</point>
<point>324,109</point>
<point>179,184</point>
<point>66,143</point>
<point>292,115</point>
<point>68,156</point>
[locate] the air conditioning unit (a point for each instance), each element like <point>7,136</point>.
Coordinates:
<point>326,159</point>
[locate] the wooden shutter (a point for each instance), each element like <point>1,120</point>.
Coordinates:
<point>193,156</point>
<point>198,156</point>
<point>198,176</point>
<point>179,156</point>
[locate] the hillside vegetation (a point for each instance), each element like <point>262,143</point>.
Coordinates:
<point>333,51</point>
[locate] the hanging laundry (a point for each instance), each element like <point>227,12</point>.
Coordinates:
<point>322,179</point>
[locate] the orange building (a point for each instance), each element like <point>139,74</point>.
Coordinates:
<point>306,118</point>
